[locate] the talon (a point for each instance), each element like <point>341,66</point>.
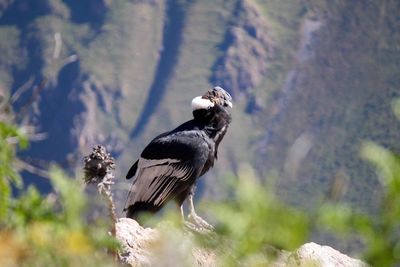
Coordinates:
<point>196,228</point>
<point>200,222</point>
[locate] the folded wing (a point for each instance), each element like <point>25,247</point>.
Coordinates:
<point>167,166</point>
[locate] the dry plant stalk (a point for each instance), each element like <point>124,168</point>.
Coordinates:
<point>99,166</point>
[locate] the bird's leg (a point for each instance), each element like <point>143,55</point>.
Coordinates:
<point>197,219</point>
<point>188,224</point>
<point>194,222</point>
<point>180,200</point>
<point>182,213</point>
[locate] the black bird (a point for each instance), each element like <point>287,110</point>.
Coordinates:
<point>170,165</point>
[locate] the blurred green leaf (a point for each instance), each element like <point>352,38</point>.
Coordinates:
<point>31,206</point>
<point>396,107</point>
<point>335,217</point>
<point>71,194</point>
<point>10,138</point>
<point>387,164</point>
<point>4,199</point>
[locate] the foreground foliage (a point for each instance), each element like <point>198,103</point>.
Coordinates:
<point>255,223</point>
<point>52,230</point>
<point>10,136</point>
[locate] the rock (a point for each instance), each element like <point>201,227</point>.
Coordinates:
<point>155,247</point>
<point>312,254</point>
<point>136,242</point>
<point>169,246</point>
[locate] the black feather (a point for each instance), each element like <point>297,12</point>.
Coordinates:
<point>132,170</point>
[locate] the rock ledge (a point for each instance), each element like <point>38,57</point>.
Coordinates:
<point>151,247</point>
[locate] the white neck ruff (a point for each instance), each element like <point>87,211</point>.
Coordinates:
<point>200,103</point>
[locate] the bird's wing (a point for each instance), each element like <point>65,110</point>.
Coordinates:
<point>164,165</point>
<point>157,179</point>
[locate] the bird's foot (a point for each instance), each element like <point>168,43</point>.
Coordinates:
<point>200,222</point>
<point>197,229</point>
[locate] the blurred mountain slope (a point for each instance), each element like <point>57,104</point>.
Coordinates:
<point>337,98</point>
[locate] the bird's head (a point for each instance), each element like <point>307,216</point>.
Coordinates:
<point>216,96</point>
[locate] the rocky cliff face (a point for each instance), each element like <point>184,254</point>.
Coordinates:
<point>311,81</point>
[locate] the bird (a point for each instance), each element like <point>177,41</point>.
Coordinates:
<point>170,165</point>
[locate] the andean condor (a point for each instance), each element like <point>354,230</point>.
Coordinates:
<point>170,165</point>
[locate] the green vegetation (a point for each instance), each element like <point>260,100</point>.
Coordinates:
<point>10,136</point>
<point>378,231</point>
<point>255,219</point>
<point>255,224</point>
<point>52,230</point>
